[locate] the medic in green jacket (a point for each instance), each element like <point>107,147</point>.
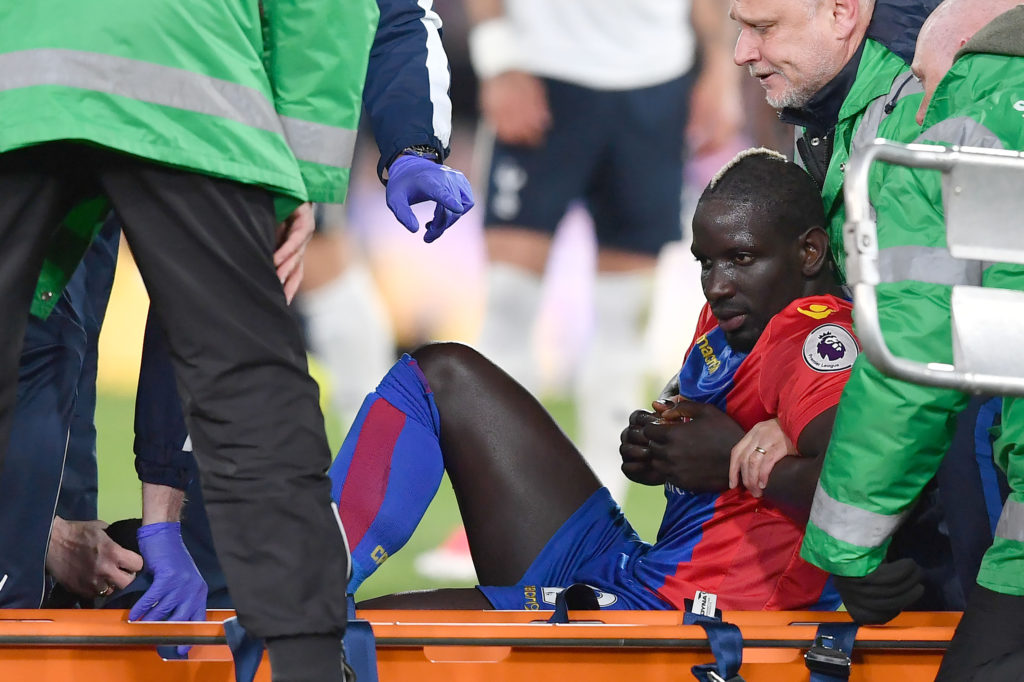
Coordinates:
<point>890,436</point>
<point>265,93</point>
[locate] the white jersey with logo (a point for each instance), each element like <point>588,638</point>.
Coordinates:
<point>604,44</point>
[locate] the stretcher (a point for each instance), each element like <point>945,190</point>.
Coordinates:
<point>431,646</point>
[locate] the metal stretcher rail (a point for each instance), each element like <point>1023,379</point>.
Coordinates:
<point>984,215</point>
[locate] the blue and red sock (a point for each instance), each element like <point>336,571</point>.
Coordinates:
<point>388,469</point>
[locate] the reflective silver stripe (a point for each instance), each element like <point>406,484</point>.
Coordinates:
<point>930,264</point>
<point>903,85</point>
<point>177,88</point>
<point>963,131</point>
<point>851,524</point>
<point>936,265</point>
<point>319,143</point>
<point>144,81</point>
<point>1011,522</point>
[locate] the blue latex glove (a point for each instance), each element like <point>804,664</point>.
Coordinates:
<point>178,591</point>
<point>413,179</point>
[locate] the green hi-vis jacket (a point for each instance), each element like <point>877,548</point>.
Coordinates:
<point>890,436</point>
<point>262,92</point>
<point>883,79</point>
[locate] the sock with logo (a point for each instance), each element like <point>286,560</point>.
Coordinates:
<point>388,469</point>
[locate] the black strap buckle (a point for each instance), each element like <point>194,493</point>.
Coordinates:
<point>827,658</point>
<point>715,677</point>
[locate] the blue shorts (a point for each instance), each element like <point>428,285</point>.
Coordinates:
<point>596,546</point>
<point>620,151</point>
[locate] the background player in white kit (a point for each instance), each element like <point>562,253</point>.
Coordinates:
<point>589,100</point>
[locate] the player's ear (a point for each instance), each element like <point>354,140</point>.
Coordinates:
<point>813,251</point>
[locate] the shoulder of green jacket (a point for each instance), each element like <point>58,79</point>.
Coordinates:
<point>878,68</point>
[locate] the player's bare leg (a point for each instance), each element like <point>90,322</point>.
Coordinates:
<point>516,475</point>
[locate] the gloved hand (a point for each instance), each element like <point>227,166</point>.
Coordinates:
<point>178,591</point>
<point>413,179</point>
<point>882,594</point>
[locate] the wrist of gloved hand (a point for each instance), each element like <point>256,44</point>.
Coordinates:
<point>423,151</point>
<point>178,591</point>
<point>881,595</point>
<point>413,179</point>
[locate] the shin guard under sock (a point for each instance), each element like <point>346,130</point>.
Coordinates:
<point>388,469</point>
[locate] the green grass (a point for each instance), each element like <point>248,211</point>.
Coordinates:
<point>119,495</point>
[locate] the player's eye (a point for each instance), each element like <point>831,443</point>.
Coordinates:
<point>743,258</point>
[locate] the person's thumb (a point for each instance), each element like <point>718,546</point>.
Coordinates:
<point>690,409</point>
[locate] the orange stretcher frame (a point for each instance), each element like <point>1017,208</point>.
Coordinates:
<point>454,646</point>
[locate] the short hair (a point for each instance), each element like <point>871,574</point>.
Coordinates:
<point>783,193</point>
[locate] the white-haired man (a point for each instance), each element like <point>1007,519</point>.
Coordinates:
<point>836,69</point>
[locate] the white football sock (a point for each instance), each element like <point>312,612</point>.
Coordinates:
<point>506,338</point>
<point>351,335</point>
<point>612,373</point>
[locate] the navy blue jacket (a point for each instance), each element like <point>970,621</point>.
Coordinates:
<point>408,80</point>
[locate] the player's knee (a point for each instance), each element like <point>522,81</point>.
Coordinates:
<point>447,364</point>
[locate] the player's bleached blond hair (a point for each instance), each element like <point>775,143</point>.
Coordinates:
<point>768,188</point>
<point>753,151</point>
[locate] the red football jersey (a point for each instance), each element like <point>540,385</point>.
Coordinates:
<point>732,544</point>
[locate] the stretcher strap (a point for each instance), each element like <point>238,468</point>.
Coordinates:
<point>360,646</point>
<point>726,645</point>
<point>829,659</point>
<point>246,650</point>
<point>578,597</point>
<point>724,639</point>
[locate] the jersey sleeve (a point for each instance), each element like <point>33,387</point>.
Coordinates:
<point>407,81</point>
<point>806,368</point>
<point>160,431</point>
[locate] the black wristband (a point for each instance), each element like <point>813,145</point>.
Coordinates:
<point>424,151</point>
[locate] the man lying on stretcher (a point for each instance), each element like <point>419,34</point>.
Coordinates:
<point>774,342</point>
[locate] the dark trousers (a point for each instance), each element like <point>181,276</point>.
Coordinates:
<point>204,248</point>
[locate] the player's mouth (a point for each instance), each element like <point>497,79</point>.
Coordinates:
<point>732,322</point>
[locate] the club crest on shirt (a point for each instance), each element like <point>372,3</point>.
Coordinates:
<point>817,311</point>
<point>830,348</point>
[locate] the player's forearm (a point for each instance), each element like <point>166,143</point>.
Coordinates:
<point>793,479</point>
<point>791,486</point>
<point>161,503</point>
